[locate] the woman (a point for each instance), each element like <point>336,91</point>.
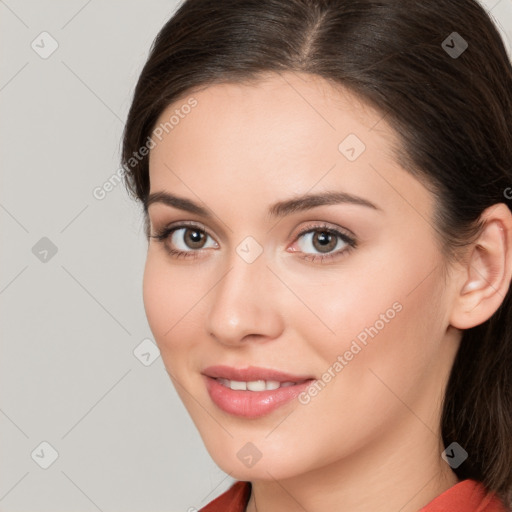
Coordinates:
<point>326,191</point>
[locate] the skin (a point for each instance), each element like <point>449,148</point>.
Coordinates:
<point>373,430</point>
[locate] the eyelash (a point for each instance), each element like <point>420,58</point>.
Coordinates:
<point>163,234</point>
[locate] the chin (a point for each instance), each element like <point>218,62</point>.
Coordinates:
<point>243,460</point>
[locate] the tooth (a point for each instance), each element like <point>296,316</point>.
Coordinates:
<point>238,385</point>
<point>256,385</point>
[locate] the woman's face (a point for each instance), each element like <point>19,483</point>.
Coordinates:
<point>369,322</point>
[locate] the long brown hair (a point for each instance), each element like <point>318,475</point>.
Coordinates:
<point>440,74</point>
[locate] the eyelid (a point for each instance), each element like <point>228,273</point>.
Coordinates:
<point>216,224</point>
<point>174,226</point>
<point>318,225</point>
<point>346,235</point>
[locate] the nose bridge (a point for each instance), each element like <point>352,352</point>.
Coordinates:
<point>241,302</point>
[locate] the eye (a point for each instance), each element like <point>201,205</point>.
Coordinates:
<point>185,240</point>
<point>188,240</point>
<point>327,241</point>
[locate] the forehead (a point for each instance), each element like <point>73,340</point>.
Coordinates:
<point>278,136</point>
<point>281,110</point>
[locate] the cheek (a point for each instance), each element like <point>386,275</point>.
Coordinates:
<point>386,314</point>
<point>388,332</point>
<point>168,299</point>
<point>345,303</point>
<point>157,296</point>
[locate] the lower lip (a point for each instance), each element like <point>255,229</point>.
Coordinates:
<point>251,404</point>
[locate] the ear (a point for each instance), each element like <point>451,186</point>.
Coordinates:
<point>485,276</point>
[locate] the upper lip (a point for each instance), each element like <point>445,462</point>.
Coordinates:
<point>252,373</point>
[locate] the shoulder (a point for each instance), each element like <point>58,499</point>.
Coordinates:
<point>235,499</point>
<point>466,496</point>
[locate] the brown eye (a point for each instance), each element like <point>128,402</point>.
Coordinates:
<point>194,238</point>
<point>189,239</point>
<point>184,240</point>
<point>324,241</point>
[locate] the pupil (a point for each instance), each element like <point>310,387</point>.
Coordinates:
<point>195,236</point>
<point>324,236</point>
<point>325,239</point>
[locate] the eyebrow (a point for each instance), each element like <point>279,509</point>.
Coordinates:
<point>279,209</point>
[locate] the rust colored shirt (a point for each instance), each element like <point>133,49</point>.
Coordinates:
<point>465,496</point>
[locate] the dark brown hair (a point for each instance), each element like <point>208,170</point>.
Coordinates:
<point>451,107</point>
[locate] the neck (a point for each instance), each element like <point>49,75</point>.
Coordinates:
<point>403,471</point>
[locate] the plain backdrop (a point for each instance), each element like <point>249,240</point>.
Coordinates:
<point>89,419</point>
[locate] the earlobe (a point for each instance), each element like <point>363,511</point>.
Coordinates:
<point>487,272</point>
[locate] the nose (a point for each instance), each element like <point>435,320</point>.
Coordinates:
<point>244,304</point>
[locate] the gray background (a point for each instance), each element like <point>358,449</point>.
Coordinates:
<point>73,372</point>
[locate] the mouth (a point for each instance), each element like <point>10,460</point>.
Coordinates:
<point>252,392</point>
<point>256,385</point>
<point>253,374</point>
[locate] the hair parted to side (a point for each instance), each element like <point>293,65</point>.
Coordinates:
<point>452,116</point>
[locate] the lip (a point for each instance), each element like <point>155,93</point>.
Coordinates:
<point>252,373</point>
<point>251,404</point>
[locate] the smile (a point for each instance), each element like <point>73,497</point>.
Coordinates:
<point>252,392</point>
<point>255,385</point>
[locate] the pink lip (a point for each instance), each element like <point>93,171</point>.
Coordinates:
<point>251,373</point>
<point>251,404</point>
